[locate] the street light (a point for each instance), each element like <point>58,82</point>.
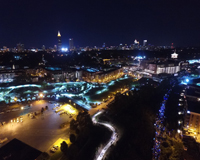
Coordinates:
<point>22,108</point>
<point>41,95</point>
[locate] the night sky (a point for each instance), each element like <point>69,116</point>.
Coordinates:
<point>93,22</point>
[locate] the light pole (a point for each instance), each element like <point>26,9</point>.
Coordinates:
<point>22,108</point>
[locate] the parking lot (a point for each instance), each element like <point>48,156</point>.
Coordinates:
<point>39,132</point>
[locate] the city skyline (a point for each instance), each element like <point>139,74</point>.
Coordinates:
<point>91,24</point>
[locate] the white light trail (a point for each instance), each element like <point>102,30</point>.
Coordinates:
<point>113,138</point>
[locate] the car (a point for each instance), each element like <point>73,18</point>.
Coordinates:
<point>15,109</point>
<point>32,116</point>
<point>56,147</point>
<point>53,150</point>
<point>3,140</point>
<point>101,155</point>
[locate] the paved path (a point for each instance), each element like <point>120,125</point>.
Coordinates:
<point>113,138</point>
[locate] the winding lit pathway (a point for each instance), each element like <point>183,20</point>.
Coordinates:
<point>112,140</point>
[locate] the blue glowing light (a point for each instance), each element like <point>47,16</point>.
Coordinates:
<point>64,49</point>
<point>187,80</point>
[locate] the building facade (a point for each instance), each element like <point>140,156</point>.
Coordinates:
<point>71,44</point>
<point>59,42</point>
<point>102,76</point>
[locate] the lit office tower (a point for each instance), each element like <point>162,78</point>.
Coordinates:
<point>71,44</point>
<point>144,42</point>
<point>59,41</point>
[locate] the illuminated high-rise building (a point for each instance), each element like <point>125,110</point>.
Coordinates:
<point>136,42</point>
<point>59,41</point>
<point>43,48</point>
<point>71,44</point>
<point>144,42</point>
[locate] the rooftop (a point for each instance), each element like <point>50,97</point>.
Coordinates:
<point>193,106</point>
<point>17,150</point>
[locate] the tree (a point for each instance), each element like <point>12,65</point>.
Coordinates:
<point>77,131</point>
<point>73,124</point>
<point>44,156</point>
<point>72,138</point>
<point>64,147</point>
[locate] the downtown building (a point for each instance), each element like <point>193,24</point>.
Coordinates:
<point>59,42</point>
<point>192,120</point>
<point>157,67</point>
<point>103,76</point>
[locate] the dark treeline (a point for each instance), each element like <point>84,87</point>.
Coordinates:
<point>135,114</point>
<point>85,138</point>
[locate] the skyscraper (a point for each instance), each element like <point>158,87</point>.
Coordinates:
<point>71,44</point>
<point>59,41</point>
<point>144,42</point>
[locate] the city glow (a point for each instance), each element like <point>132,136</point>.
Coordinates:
<point>64,49</point>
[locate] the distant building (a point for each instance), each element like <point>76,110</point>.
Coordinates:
<point>192,119</point>
<point>136,42</point>
<point>95,75</point>
<point>55,48</point>
<point>71,44</point>
<point>169,67</point>
<point>59,42</point>
<point>174,55</point>
<point>20,47</point>
<point>144,42</point>
<point>7,76</point>
<point>43,48</point>
<point>104,45</point>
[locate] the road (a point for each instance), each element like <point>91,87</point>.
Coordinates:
<point>111,141</point>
